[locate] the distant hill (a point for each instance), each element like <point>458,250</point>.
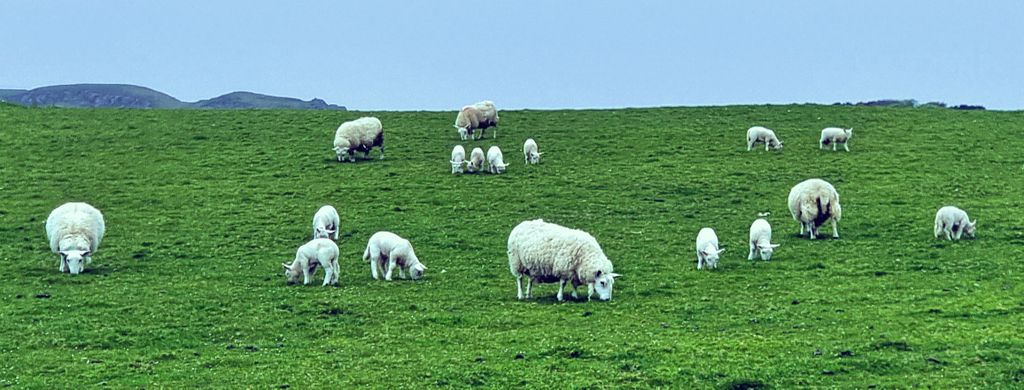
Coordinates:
<point>133,96</point>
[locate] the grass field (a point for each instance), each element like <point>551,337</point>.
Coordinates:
<point>203,206</point>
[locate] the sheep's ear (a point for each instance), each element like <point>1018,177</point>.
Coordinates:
<point>286,266</point>
<point>614,275</point>
<point>456,126</point>
<point>87,253</point>
<point>62,253</point>
<point>775,245</point>
<point>974,222</point>
<point>720,251</point>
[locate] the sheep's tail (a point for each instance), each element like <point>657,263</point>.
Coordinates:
<point>366,254</point>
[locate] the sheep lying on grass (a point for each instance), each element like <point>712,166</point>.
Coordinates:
<point>386,251</point>
<point>75,230</point>
<point>834,135</point>
<point>812,203</point>
<point>707,249</point>
<point>761,239</point>
<point>326,223</point>
<point>953,222</point>
<point>318,252</point>
<point>362,134</point>
<point>761,134</point>
<point>547,253</point>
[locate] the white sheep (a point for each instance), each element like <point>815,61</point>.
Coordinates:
<point>317,252</point>
<point>762,134</point>
<point>476,160</point>
<point>477,116</point>
<point>530,152</point>
<point>707,249</point>
<point>834,135</point>
<point>812,202</point>
<point>495,161</point>
<point>386,251</point>
<point>362,134</point>
<point>326,223</point>
<point>75,230</point>
<point>547,253</point>
<point>761,239</point>
<point>953,222</point>
<point>458,158</point>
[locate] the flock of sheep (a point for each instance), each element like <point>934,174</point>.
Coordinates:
<point>542,252</point>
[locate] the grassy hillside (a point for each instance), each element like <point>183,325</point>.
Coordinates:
<point>203,206</point>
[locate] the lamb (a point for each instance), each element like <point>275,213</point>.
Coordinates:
<point>812,202</point>
<point>476,160</point>
<point>548,253</point>
<point>386,251</point>
<point>762,134</point>
<point>317,252</point>
<point>530,152</point>
<point>707,249</point>
<point>458,158</point>
<point>761,239</point>
<point>835,135</point>
<point>362,134</point>
<point>953,222</point>
<point>326,223</point>
<point>75,230</point>
<point>495,162</point>
<point>477,116</point>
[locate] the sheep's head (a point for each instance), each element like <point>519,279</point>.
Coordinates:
<point>970,227</point>
<point>291,273</point>
<point>74,259</point>
<point>603,282</point>
<point>535,157</point>
<point>849,132</point>
<point>463,132</point>
<point>711,256</point>
<point>500,168</point>
<point>457,166</point>
<point>777,145</point>
<point>766,250</point>
<point>417,270</point>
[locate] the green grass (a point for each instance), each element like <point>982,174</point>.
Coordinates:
<point>202,207</point>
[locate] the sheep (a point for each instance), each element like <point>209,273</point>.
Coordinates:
<point>477,116</point>
<point>362,134</point>
<point>530,152</point>
<point>386,251</point>
<point>548,253</point>
<point>319,251</point>
<point>762,134</point>
<point>495,162</point>
<point>75,230</point>
<point>458,158</point>
<point>812,202</point>
<point>707,249</point>
<point>476,160</point>
<point>326,223</point>
<point>835,135</point>
<point>954,222</point>
<point>761,239</point>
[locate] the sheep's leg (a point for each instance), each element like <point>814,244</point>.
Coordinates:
<point>833,146</point>
<point>382,152</point>
<point>766,146</point>
<point>750,145</point>
<point>574,285</point>
<point>821,145</point>
<point>958,232</point>
<point>529,288</point>
<point>590,290</point>
<point>751,255</point>
<point>401,273</point>
<point>835,229</point>
<point>519,287</point>
<point>813,230</point>
<point>561,288</point>
<point>846,146</point>
<point>328,275</point>
<point>938,230</point>
<point>391,269</point>
<point>305,275</point>
<point>373,267</point>
<point>700,262</point>
<point>949,237</point>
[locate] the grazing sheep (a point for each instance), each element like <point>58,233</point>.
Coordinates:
<point>477,116</point>
<point>75,230</point>
<point>362,134</point>
<point>458,158</point>
<point>319,251</point>
<point>386,251</point>
<point>530,152</point>
<point>812,202</point>
<point>953,222</point>
<point>548,253</point>
<point>707,249</point>
<point>761,239</point>
<point>834,135</point>
<point>476,160</point>
<point>495,161</point>
<point>762,134</point>
<point>326,223</point>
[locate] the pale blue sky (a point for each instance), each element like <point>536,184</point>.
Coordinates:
<point>440,55</point>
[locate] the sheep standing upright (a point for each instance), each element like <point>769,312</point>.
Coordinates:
<point>317,252</point>
<point>547,253</point>
<point>477,116</point>
<point>707,249</point>
<point>458,158</point>
<point>813,202</point>
<point>954,222</point>
<point>495,160</point>
<point>476,160</point>
<point>386,251</point>
<point>530,152</point>
<point>761,239</point>
<point>762,134</point>
<point>362,134</point>
<point>326,223</point>
<point>834,135</point>
<point>75,230</point>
